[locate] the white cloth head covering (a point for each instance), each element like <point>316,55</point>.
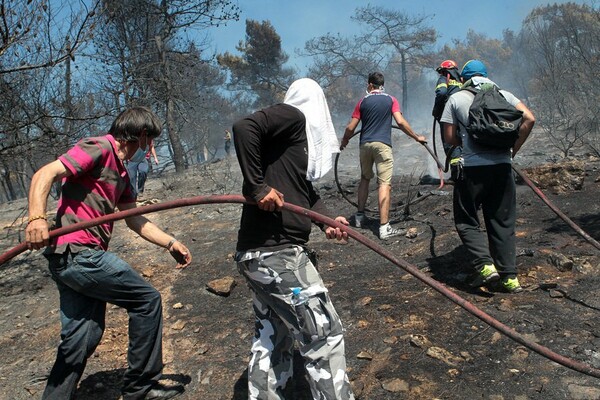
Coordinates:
<point>480,80</point>
<point>307,96</point>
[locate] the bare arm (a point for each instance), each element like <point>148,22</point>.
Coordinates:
<point>526,127</point>
<point>349,132</point>
<point>450,135</point>
<point>152,233</point>
<point>153,151</point>
<point>36,233</point>
<point>406,128</point>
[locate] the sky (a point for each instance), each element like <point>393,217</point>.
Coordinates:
<point>298,21</point>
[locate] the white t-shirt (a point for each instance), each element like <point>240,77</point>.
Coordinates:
<point>457,110</point>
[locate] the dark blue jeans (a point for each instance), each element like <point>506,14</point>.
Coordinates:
<point>138,172</point>
<point>142,175</point>
<point>86,281</point>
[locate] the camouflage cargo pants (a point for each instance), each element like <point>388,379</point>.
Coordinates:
<point>315,325</point>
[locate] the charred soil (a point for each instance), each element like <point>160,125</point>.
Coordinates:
<point>404,340</point>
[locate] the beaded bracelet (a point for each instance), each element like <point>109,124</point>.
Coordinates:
<point>31,219</point>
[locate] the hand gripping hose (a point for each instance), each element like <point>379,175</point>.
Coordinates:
<point>217,199</point>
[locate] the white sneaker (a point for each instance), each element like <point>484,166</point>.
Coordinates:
<point>386,231</point>
<point>359,220</point>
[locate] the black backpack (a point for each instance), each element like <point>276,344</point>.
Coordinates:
<point>493,121</point>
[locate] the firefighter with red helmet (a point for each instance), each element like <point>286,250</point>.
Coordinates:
<point>448,83</point>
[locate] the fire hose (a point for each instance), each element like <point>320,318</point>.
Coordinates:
<point>527,181</point>
<point>435,154</point>
<point>556,210</point>
<point>411,269</point>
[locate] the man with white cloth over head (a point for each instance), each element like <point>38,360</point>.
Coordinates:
<point>281,150</point>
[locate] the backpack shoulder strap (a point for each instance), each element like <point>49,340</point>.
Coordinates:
<point>469,88</point>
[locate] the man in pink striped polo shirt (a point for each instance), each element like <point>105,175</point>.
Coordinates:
<point>94,183</point>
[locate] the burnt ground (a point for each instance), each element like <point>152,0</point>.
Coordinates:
<point>404,340</point>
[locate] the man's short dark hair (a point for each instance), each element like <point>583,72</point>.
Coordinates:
<point>131,123</point>
<point>376,79</point>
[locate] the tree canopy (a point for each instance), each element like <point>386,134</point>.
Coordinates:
<point>68,67</point>
<point>259,69</point>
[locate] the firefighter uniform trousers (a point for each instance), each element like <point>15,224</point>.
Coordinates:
<point>315,325</point>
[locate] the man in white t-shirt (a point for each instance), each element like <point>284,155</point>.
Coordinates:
<point>486,182</point>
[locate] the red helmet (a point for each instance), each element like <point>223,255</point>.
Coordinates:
<point>447,64</point>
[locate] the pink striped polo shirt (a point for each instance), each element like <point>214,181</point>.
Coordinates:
<point>99,182</point>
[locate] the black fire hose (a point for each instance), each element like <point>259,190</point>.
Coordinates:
<point>511,333</point>
<point>556,210</point>
<point>433,136</point>
<point>435,154</point>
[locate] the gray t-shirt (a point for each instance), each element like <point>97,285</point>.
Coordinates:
<point>457,110</point>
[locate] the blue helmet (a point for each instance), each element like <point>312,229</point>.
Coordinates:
<point>472,68</point>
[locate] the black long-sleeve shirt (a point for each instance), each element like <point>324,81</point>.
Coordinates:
<point>272,151</point>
